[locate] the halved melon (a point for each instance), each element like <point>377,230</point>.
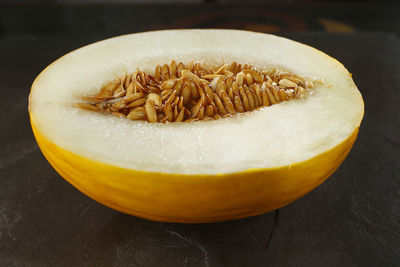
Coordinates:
<point>204,171</point>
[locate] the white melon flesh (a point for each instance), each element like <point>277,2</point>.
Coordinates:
<point>279,135</point>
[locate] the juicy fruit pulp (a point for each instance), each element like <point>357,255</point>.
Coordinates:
<point>177,93</point>
<point>195,172</point>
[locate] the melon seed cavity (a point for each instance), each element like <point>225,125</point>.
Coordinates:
<point>186,93</point>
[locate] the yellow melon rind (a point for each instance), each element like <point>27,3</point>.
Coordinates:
<point>193,198</point>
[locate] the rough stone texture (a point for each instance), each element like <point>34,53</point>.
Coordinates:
<point>353,219</point>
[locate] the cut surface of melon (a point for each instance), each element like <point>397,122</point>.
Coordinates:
<point>280,135</point>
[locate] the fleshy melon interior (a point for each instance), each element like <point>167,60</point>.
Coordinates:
<point>275,136</point>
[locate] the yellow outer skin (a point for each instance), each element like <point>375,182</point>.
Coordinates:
<point>193,198</point>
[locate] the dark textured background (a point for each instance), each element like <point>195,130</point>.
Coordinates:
<point>353,219</point>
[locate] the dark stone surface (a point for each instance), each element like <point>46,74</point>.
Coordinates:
<point>117,18</point>
<point>353,219</point>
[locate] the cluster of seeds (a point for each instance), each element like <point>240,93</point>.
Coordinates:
<point>178,92</point>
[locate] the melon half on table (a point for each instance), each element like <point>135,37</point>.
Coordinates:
<point>256,122</point>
